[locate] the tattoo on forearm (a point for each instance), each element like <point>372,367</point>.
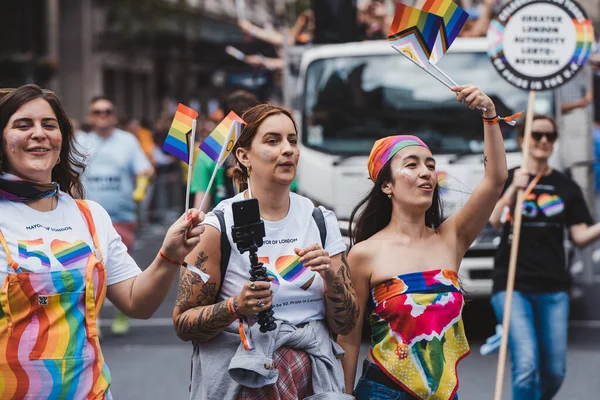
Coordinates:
<point>343,299</point>
<point>485,160</point>
<point>200,319</point>
<point>206,324</point>
<point>185,290</point>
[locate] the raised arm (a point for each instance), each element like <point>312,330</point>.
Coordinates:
<point>467,223</point>
<point>350,342</point>
<point>197,315</point>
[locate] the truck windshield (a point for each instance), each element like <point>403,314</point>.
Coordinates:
<point>350,102</point>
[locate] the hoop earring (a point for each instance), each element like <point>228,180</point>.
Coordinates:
<point>58,161</point>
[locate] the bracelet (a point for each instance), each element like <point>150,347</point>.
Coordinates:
<point>490,121</point>
<point>231,308</point>
<point>170,259</point>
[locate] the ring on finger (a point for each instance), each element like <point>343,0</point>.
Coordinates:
<point>259,303</point>
<point>327,267</point>
<point>252,286</point>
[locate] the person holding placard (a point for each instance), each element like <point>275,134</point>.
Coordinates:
<point>404,262</point>
<point>553,202</point>
<point>310,288</point>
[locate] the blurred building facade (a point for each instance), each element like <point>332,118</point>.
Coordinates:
<point>137,52</point>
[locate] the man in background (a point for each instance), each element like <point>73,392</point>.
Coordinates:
<point>116,175</point>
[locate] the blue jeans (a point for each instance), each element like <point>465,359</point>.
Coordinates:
<point>367,389</point>
<point>537,341</point>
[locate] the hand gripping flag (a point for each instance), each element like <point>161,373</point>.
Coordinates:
<point>176,142</point>
<point>220,142</point>
<point>413,33</point>
<point>454,19</point>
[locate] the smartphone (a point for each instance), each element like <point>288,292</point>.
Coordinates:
<point>245,212</point>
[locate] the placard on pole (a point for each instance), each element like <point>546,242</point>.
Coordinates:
<point>534,45</point>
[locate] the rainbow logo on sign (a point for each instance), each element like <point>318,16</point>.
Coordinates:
<point>584,32</point>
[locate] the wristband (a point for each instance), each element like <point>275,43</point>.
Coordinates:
<point>170,259</point>
<point>231,308</point>
<point>490,121</point>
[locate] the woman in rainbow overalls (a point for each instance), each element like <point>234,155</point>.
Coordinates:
<point>404,262</point>
<point>59,257</point>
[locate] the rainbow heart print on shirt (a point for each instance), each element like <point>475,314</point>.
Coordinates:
<point>68,253</point>
<point>550,205</point>
<point>293,271</point>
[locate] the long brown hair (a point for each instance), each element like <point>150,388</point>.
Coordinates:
<point>254,117</point>
<point>67,172</point>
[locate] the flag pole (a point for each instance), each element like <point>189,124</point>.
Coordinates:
<point>514,251</point>
<point>424,69</point>
<point>217,164</point>
<point>190,165</point>
<point>443,73</point>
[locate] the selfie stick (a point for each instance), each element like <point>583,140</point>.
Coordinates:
<point>249,237</point>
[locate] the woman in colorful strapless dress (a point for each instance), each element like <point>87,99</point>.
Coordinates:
<point>404,264</point>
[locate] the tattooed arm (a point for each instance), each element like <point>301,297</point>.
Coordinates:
<point>342,304</point>
<point>197,317</point>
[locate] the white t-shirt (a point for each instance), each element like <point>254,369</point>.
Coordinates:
<point>298,292</point>
<point>60,239</point>
<point>111,167</point>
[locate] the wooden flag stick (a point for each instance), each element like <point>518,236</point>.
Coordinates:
<point>190,165</point>
<point>514,251</point>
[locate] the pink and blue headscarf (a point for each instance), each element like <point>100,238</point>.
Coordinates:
<point>384,149</point>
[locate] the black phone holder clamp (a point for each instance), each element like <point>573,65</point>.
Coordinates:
<point>249,238</point>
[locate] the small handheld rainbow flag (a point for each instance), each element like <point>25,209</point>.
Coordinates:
<point>454,19</point>
<point>176,142</point>
<point>413,33</point>
<point>220,142</point>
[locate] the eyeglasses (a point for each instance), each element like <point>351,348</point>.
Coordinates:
<point>550,136</point>
<point>106,112</point>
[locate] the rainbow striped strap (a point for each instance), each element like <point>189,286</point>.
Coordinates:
<point>87,215</point>
<point>14,265</point>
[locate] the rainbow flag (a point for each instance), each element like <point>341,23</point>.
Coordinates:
<point>176,142</point>
<point>413,32</point>
<point>453,17</point>
<point>213,144</point>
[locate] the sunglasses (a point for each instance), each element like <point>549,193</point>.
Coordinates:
<point>550,136</point>
<point>107,112</point>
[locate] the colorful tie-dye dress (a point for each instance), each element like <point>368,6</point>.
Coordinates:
<point>418,334</point>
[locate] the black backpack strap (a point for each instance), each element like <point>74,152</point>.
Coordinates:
<point>320,220</point>
<point>225,246</point>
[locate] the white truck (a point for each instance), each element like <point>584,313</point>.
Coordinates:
<point>346,96</point>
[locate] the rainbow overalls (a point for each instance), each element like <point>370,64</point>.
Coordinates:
<point>418,335</point>
<point>49,347</point>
